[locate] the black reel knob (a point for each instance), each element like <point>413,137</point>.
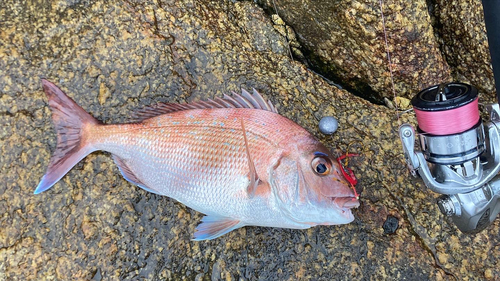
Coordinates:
<point>444,96</point>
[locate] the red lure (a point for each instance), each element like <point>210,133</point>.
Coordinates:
<point>348,173</point>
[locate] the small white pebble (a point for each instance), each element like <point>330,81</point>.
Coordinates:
<point>328,125</point>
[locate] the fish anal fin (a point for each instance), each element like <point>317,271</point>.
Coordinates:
<point>213,226</point>
<point>254,178</point>
<point>129,175</point>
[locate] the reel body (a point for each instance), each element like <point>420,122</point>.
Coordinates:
<point>459,154</point>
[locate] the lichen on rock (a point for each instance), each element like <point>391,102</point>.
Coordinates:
<point>113,57</point>
<point>345,41</point>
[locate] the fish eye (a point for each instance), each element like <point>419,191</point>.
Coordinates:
<point>321,165</point>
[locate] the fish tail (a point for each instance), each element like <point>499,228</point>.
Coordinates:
<point>72,125</point>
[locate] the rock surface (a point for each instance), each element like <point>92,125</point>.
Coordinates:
<point>464,42</point>
<point>429,42</point>
<point>113,57</point>
<point>345,40</point>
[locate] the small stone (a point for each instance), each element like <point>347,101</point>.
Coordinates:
<point>277,19</point>
<point>402,103</point>
<point>328,125</point>
<point>390,225</point>
<point>389,103</point>
<point>97,275</point>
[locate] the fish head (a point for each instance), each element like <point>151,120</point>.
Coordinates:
<point>309,188</point>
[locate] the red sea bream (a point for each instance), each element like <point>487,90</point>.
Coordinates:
<point>233,158</point>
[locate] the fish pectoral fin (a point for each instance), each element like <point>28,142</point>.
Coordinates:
<point>129,175</point>
<point>214,226</point>
<point>254,178</point>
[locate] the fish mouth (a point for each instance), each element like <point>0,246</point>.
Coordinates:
<point>345,202</point>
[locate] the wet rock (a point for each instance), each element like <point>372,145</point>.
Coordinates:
<point>464,42</point>
<point>113,57</point>
<point>345,41</point>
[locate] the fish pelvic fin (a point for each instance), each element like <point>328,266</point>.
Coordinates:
<point>254,178</point>
<point>72,124</point>
<point>213,226</point>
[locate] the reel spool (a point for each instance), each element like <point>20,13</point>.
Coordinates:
<point>446,109</point>
<point>451,131</point>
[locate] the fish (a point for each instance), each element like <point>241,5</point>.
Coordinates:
<point>232,158</point>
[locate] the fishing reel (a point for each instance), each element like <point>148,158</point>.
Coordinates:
<point>459,154</point>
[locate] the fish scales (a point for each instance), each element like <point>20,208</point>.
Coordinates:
<point>233,158</point>
<point>186,168</point>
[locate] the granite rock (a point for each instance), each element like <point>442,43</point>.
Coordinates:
<point>346,42</point>
<point>113,57</point>
<point>464,42</point>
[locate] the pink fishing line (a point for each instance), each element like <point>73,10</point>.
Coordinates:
<point>447,122</point>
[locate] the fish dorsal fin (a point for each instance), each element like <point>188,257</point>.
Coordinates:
<point>245,100</point>
<point>213,226</point>
<point>252,174</point>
